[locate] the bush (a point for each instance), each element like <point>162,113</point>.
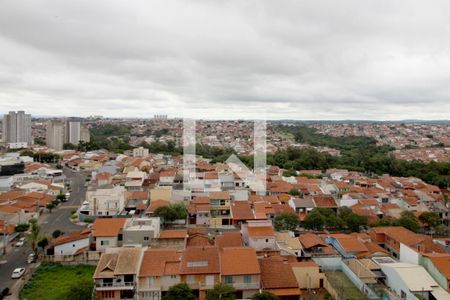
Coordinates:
<point>286,221</point>
<point>179,291</point>
<point>264,295</point>
<point>221,291</point>
<point>172,212</point>
<point>57,233</point>
<point>22,227</point>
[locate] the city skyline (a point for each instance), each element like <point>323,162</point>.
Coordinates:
<point>376,61</point>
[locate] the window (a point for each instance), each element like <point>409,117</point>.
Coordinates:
<point>228,279</point>
<point>107,294</point>
<point>197,264</point>
<point>173,276</point>
<point>104,243</point>
<point>247,279</point>
<point>146,238</point>
<point>267,240</point>
<point>119,237</point>
<point>190,279</point>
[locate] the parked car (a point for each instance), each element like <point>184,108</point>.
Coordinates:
<point>17,273</point>
<point>21,242</point>
<point>32,257</point>
<point>4,293</point>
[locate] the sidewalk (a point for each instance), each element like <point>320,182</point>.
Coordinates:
<point>17,287</point>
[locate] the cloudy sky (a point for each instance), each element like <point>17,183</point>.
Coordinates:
<point>384,60</point>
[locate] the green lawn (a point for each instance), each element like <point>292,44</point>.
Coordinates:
<point>342,284</point>
<point>58,282</point>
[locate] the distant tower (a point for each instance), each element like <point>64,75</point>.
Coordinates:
<point>160,117</point>
<point>17,129</point>
<point>76,132</point>
<point>55,135</point>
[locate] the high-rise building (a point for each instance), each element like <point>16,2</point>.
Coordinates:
<point>17,129</point>
<point>85,136</point>
<point>55,135</point>
<point>73,132</point>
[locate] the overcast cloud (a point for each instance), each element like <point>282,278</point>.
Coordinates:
<point>385,60</point>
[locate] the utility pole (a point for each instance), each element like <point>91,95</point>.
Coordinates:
<point>5,236</point>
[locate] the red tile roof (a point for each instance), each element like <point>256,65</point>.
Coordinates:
<point>238,261</point>
<point>107,227</point>
<point>200,260</point>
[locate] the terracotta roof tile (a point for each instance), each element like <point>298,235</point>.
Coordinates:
<point>200,260</point>
<point>238,261</point>
<point>109,227</point>
<point>173,234</point>
<point>229,239</point>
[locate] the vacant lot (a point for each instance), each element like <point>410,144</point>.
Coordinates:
<point>343,285</point>
<point>54,281</point>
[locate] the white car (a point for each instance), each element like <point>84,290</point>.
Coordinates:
<point>31,258</point>
<point>17,273</point>
<point>21,242</point>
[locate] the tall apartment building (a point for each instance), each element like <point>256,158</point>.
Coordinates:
<point>55,135</point>
<point>73,132</point>
<point>17,129</point>
<point>70,131</point>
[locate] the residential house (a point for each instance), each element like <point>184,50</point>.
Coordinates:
<point>438,265</point>
<point>288,244</point>
<point>199,211</point>
<point>116,273</point>
<point>409,281</point>
<point>140,231</point>
<point>278,278</point>
<point>175,238</point>
<point>107,233</point>
<point>160,269</point>
<point>220,209</point>
<point>259,235</point>
<point>104,201</point>
<point>314,246</point>
<point>69,244</point>
<point>200,268</point>
<point>239,268</point>
<point>308,275</point>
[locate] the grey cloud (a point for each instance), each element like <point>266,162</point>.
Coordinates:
<point>235,59</point>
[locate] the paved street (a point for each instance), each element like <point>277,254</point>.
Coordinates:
<point>58,219</point>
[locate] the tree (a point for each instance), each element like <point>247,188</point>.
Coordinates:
<point>221,291</point>
<point>57,233</point>
<point>81,290</point>
<point>430,218</point>
<point>351,220</point>
<point>61,197</point>
<point>43,243</point>
<point>22,227</point>
<point>354,222</point>
<point>294,192</point>
<point>314,220</point>
<point>50,206</point>
<point>264,295</point>
<point>172,212</point>
<point>286,221</point>
<point>409,221</point>
<point>34,234</point>
<point>179,291</point>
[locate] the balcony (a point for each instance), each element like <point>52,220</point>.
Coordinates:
<point>246,286</point>
<point>104,286</point>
